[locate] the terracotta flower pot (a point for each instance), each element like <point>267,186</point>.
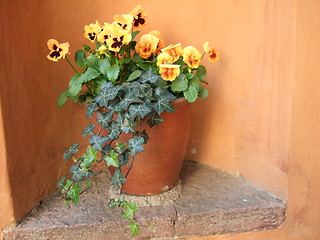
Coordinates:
<point>157,168</point>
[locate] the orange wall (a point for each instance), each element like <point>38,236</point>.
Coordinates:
<point>261,118</point>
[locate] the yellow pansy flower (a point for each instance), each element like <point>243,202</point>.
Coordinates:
<point>169,72</point>
<point>57,51</point>
<point>147,45</point>
<point>164,58</point>
<point>191,56</point>
<point>139,17</point>
<point>91,31</point>
<point>161,42</point>
<point>213,56</point>
<point>118,38</point>
<point>105,33</point>
<point>174,51</point>
<point>124,21</point>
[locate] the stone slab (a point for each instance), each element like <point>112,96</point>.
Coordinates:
<point>212,201</point>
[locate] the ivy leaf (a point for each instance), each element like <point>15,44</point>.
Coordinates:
<point>191,93</point>
<point>63,98</point>
<point>134,228</point>
<point>73,193</point>
<point>89,158</point>
<point>104,118</point>
<point>113,73</point>
<point>88,75</point>
<point>120,147</point>
<point>201,72</point>
<point>134,75</point>
<point>80,58</point>
<point>155,119</point>
<point>129,99</point>
<point>135,144</point>
<point>60,184</point>
<point>164,92</point>
<point>179,84</point>
<point>112,159</point>
<point>163,105</point>
<point>149,76</point>
<point>97,141</point>
<point>114,130</point>
<point>90,109</point>
<point>130,210</point>
<point>140,110</point>
<point>143,134</point>
<point>88,129</point>
<point>125,123</point>
<point>202,92</point>
<point>93,62</point>
<point>118,179</point>
<point>75,85</point>
<point>73,149</point>
<point>104,65</point>
<point>76,173</point>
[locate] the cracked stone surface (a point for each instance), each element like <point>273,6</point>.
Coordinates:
<point>211,202</point>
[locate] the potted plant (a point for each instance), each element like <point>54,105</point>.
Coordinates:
<point>134,90</point>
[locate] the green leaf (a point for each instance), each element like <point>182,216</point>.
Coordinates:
<point>90,109</point>
<point>114,130</point>
<point>140,110</point>
<point>135,145</point>
<point>88,129</point>
<point>195,81</point>
<point>75,85</point>
<point>73,193</point>
<point>80,58</point>
<point>120,147</point>
<point>63,98</point>
<point>129,99</point>
<point>113,73</point>
<point>134,228</point>
<point>118,179</point>
<point>60,184</point>
<point>142,134</point>
<point>163,105</point>
<point>179,84</point>
<point>88,75</point>
<point>201,72</point>
<point>89,158</point>
<point>73,149</point>
<point>104,65</point>
<point>134,34</point>
<point>191,93</point>
<point>149,76</point>
<point>93,62</point>
<point>112,159</point>
<point>130,210</point>
<point>134,75</point>
<point>155,119</point>
<point>104,118</point>
<point>97,141</point>
<point>202,92</point>
<point>77,174</point>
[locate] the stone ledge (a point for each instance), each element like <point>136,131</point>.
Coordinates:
<point>212,202</point>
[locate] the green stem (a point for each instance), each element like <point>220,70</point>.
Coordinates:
<point>72,65</point>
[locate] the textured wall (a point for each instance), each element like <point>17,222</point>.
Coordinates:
<point>261,118</point>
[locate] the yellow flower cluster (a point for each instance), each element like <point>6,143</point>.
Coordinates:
<point>150,46</point>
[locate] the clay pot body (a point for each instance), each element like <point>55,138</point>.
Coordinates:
<point>157,168</point>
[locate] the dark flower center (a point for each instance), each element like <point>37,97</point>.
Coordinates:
<point>92,36</point>
<point>139,21</point>
<point>117,43</point>
<point>55,54</point>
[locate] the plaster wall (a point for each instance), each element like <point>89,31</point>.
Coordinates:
<point>260,119</point>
